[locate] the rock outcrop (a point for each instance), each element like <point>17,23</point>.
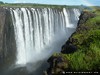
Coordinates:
<point>7,40</point>
<point>2,22</point>
<point>69,47</point>
<point>57,65</point>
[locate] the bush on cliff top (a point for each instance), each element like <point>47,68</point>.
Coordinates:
<point>88,55</point>
<point>87,58</point>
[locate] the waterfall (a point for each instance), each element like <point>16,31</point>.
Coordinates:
<point>38,28</point>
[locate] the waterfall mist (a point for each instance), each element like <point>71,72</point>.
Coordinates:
<point>39,32</point>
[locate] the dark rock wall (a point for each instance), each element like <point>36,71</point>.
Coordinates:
<point>7,40</point>
<point>72,44</point>
<point>68,48</point>
<point>2,22</point>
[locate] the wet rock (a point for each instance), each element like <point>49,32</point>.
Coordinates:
<point>2,22</point>
<point>7,39</point>
<point>71,45</point>
<point>68,48</point>
<point>85,15</point>
<point>57,65</point>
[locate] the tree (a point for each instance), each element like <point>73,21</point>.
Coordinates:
<point>1,2</point>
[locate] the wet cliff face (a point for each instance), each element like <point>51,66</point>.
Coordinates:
<point>7,40</point>
<point>80,46</point>
<point>2,19</point>
<point>26,34</point>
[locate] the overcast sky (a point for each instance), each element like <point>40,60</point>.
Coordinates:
<point>61,2</point>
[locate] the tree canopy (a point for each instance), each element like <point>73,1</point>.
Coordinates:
<point>1,2</point>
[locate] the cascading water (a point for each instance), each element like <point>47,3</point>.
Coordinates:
<point>38,31</point>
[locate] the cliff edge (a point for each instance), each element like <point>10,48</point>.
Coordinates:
<point>7,40</point>
<point>82,51</point>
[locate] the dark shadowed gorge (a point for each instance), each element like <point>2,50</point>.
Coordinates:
<point>30,35</point>
<point>48,39</point>
<point>82,51</point>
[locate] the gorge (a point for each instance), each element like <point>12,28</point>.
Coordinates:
<point>29,36</point>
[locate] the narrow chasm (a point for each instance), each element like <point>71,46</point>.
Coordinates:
<point>81,52</point>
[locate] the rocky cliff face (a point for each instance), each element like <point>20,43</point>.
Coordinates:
<point>59,63</point>
<point>2,21</point>
<point>34,28</point>
<point>7,40</point>
<point>72,44</point>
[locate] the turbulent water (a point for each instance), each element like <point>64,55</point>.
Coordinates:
<point>39,32</point>
<point>35,29</point>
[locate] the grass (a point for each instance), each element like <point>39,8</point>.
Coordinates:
<point>31,5</point>
<point>36,5</point>
<point>87,57</point>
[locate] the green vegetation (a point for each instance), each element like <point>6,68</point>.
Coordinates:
<point>1,2</point>
<point>30,5</point>
<point>87,57</point>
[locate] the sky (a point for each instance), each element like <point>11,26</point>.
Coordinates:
<point>58,2</point>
